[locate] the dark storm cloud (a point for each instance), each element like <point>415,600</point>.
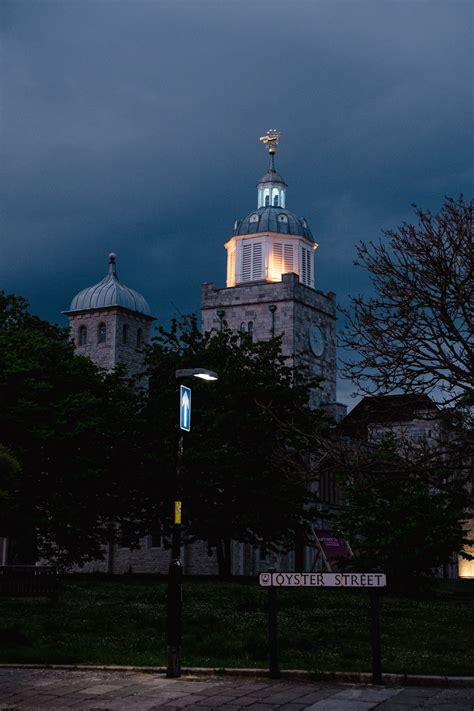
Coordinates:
<point>133,126</point>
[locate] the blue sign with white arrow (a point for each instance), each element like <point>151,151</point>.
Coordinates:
<point>185,408</point>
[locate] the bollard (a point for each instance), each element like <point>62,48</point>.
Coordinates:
<point>375,637</point>
<point>273,632</point>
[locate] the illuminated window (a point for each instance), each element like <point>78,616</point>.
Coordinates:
<point>124,333</point>
<point>82,336</point>
<point>102,333</point>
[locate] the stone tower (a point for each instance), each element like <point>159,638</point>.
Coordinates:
<point>110,323</point>
<point>271,290</point>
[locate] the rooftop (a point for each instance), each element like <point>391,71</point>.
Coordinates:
<point>386,409</point>
<point>110,292</point>
<point>273,219</point>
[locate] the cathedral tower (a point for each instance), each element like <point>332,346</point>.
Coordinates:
<point>110,323</point>
<point>271,288</point>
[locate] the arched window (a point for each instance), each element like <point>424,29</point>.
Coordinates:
<point>267,200</point>
<point>139,338</point>
<point>124,333</point>
<point>242,328</point>
<point>275,201</point>
<point>102,333</point>
<point>82,336</point>
<point>250,329</point>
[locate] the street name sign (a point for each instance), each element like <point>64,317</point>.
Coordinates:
<point>323,580</point>
<point>185,408</point>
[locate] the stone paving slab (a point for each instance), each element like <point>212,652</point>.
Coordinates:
<point>30,689</point>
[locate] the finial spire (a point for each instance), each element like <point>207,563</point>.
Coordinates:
<point>271,139</point>
<point>112,260</point>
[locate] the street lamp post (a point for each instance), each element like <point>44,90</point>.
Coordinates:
<point>175,571</point>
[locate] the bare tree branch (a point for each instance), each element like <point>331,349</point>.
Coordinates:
<point>416,333</point>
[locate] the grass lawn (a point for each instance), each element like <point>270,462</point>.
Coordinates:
<point>122,621</point>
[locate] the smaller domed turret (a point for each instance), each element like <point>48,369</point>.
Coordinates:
<point>110,323</point>
<point>108,293</point>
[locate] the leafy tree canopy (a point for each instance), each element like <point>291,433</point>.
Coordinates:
<point>10,471</point>
<point>403,515</point>
<point>235,483</point>
<point>69,425</point>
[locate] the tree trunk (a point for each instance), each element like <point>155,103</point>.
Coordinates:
<point>224,557</point>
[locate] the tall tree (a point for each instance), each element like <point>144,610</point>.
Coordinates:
<point>404,515</point>
<point>416,333</point>
<point>235,485</point>
<point>10,471</point>
<point>71,428</point>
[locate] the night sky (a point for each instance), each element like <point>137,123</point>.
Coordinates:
<point>133,127</point>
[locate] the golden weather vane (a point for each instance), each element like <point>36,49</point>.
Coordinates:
<point>271,139</point>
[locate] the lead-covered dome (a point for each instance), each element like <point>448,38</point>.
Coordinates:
<point>272,219</point>
<point>272,177</point>
<point>108,293</point>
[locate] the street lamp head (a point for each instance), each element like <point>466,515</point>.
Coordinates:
<point>206,376</point>
<point>202,373</point>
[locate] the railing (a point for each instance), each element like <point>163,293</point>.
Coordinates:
<point>28,580</point>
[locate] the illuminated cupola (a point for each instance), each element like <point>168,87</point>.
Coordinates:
<point>271,188</point>
<point>271,240</point>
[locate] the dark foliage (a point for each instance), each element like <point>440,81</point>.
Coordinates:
<point>70,427</point>
<point>235,486</point>
<point>405,514</point>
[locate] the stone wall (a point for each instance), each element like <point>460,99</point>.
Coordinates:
<point>152,560</point>
<point>113,350</point>
<point>297,307</point>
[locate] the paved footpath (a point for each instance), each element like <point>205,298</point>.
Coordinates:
<point>119,691</point>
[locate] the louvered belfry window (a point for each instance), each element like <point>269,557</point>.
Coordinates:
<point>282,258</point>
<point>252,262</point>
<point>288,259</point>
<point>306,267</point>
<point>278,258</point>
<point>247,262</point>
<point>257,262</point>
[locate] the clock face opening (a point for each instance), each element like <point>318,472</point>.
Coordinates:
<point>316,340</point>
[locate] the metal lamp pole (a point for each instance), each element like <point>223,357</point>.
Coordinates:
<point>175,571</point>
